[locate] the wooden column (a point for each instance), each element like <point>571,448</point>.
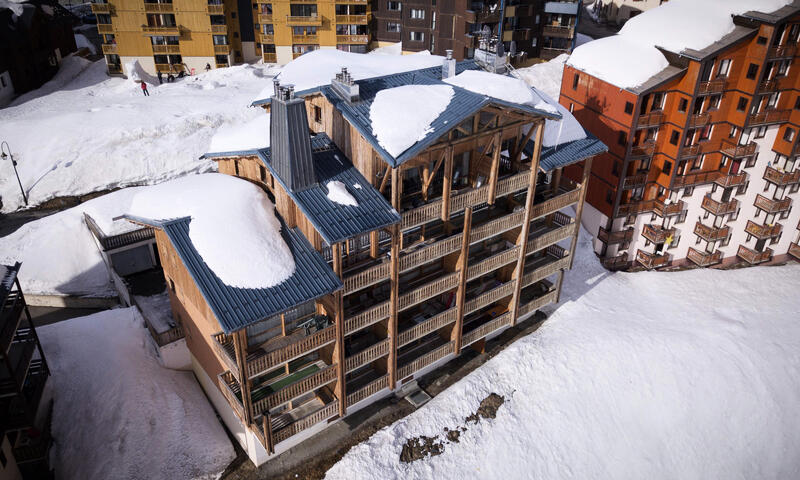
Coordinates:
<point>447,184</point>
<point>338,350</point>
<point>266,426</point>
<point>394,282</point>
<point>587,170</point>
<point>240,350</point>
<point>374,243</point>
<point>462,280</point>
<point>526,222</point>
<point>558,284</point>
<point>494,172</point>
<point>555,180</point>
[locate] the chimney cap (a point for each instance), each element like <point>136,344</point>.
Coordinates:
<point>449,54</point>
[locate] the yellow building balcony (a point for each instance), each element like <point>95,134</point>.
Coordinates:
<point>264,18</point>
<point>162,30</point>
<point>305,38</point>
<point>104,28</point>
<point>216,9</point>
<point>352,19</point>
<point>109,48</point>
<point>352,38</point>
<point>222,49</point>
<point>269,57</point>
<point>158,8</point>
<point>299,21</point>
<point>266,38</point>
<point>167,49</point>
<point>101,8</point>
<point>219,29</point>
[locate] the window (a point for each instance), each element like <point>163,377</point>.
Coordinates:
<point>417,36</point>
<point>742,105</point>
<point>622,139</point>
<point>393,27</point>
<point>417,13</point>
<point>615,168</point>
<point>628,108</point>
<point>697,163</point>
<point>788,134</point>
<point>393,6</point>
<point>713,101</point>
<point>705,132</point>
<point>317,114</point>
<point>667,167</point>
<point>743,188</point>
<point>761,40</point>
<point>761,131</point>
<point>674,136</point>
<point>688,191</point>
<point>797,103</point>
<point>724,67</point>
<point>658,101</point>
<point>732,133</point>
<point>262,173</point>
<point>571,107</point>
<point>233,14</point>
<point>609,197</point>
<point>683,104</point>
<point>577,77</point>
<point>752,70</point>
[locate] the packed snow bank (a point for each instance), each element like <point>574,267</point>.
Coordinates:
<point>657,383</point>
<point>233,226</point>
<point>619,60</point>
<point>96,132</point>
<point>82,42</point>
<point>393,49</point>
<point>118,414</point>
<point>337,193</point>
<point>250,135</point>
<point>319,67</point>
<point>416,105</point>
<point>545,76</point>
<point>136,73</point>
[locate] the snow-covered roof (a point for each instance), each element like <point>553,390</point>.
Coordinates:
<point>503,87</point>
<point>249,136</point>
<point>630,58</point>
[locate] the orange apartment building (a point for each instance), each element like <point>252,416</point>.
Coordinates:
<point>702,167</point>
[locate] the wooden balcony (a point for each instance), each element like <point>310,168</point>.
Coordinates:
<point>101,8</point>
<point>487,328</point>
<point>328,411</point>
<point>699,178</point>
<point>699,119</point>
<point>223,346</point>
<point>537,303</point>
<point>305,38</point>
<point>231,391</point>
<point>736,151</point>
<point>427,326</point>
<point>556,203</point>
<point>558,31</point>
<point>220,29</point>
<point>368,317</point>
<point>651,260</point>
<point>616,263</point>
<point>166,49</point>
<point>651,119</point>
<point>492,263</point>
<point>768,117</point>
<point>109,48</point>
<point>711,234</point>
<point>719,208</point>
<point>772,206</point>
<point>262,361</point>
<point>712,86</point>
<point>368,390</point>
<point>645,150</point>
<point>557,259</point>
<point>157,31</point>
<point>781,178</point>
<point>794,250</point>
<point>656,233</point>
<point>496,227</point>
<point>763,232</point>
<point>266,38</point>
<point>222,49</point>
<point>612,238</point>
<point>782,51</point>
<point>158,7</point>
<point>265,18</point>
<point>299,21</point>
<point>704,259</point>
<point>265,398</point>
<point>487,16</point>
<point>728,181</point>
<point>768,86</point>
<point>425,360</point>
<point>664,209</point>
<point>351,39</point>
<point>371,276</point>
<point>104,28</point>
<point>428,290</point>
<point>752,257</point>
<point>367,355</point>
<point>269,57</point>
<point>634,181</point>
<point>215,9</point>
<point>351,19</point>
<point>490,296</point>
<point>690,151</point>
<point>550,238</point>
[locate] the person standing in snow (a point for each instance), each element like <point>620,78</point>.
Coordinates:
<point>144,90</point>
<point>208,67</point>
<point>159,77</point>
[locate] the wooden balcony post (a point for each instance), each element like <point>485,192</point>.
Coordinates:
<point>448,183</point>
<point>494,172</point>
<point>526,222</point>
<point>558,285</point>
<point>374,243</point>
<point>338,349</point>
<point>266,426</point>
<point>555,180</point>
<point>462,281</point>
<point>587,170</point>
<point>394,304</point>
<point>240,349</point>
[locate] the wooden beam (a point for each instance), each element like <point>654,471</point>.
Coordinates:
<point>266,427</point>
<point>555,179</point>
<point>587,170</point>
<point>526,222</point>
<point>447,184</point>
<point>432,173</point>
<point>521,147</point>
<point>462,281</point>
<point>240,351</point>
<point>477,136</point>
<point>385,179</point>
<point>495,170</point>
<point>394,305</point>
<point>374,243</point>
<point>338,350</point>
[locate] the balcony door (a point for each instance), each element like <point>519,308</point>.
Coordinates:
<point>760,244</point>
<point>735,166</point>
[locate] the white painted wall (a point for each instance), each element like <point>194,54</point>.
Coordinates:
<point>283,54</point>
<point>175,355</point>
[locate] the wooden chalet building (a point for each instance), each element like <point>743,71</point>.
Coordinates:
<point>450,243</point>
<point>703,167</point>
<point>24,418</point>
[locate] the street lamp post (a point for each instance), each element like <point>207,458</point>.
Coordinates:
<point>3,147</point>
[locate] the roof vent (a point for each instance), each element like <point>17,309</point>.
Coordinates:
<point>345,87</point>
<point>289,139</point>
<point>449,66</point>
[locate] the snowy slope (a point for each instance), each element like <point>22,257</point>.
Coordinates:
<point>84,131</point>
<point>690,375</point>
<point>117,414</point>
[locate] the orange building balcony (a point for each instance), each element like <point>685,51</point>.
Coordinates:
<point>781,178</point>
<point>772,206</point>
<point>704,259</point>
<point>711,234</point>
<point>727,181</point>
<point>657,233</point>
<point>753,257</point>
<point>769,117</point>
<point>646,149</point>
<point>215,9</point>
<point>762,232</point>
<point>736,151</point>
<point>782,51</point>
<point>794,250</point>
<point>101,8</point>
<point>611,238</point>
<point>299,21</point>
<point>651,119</point>
<point>712,86</point>
<point>699,119</point>
<point>634,181</point>
<point>651,260</point>
<point>719,208</point>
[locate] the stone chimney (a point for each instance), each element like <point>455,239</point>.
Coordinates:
<point>449,66</point>
<point>290,141</point>
<point>345,87</point>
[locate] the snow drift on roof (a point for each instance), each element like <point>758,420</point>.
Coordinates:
<point>337,193</point>
<point>557,132</point>
<point>317,68</point>
<point>618,60</point>
<point>545,76</point>
<point>233,227</point>
<point>250,135</point>
<point>402,116</point>
<point>502,87</point>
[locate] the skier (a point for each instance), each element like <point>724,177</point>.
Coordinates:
<point>208,67</point>
<point>159,77</point>
<point>144,90</point>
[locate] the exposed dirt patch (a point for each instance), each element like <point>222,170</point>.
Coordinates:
<point>420,447</point>
<point>489,405</point>
<point>453,435</point>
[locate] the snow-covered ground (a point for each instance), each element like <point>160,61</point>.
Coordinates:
<point>83,131</point>
<point>117,414</point>
<point>690,375</point>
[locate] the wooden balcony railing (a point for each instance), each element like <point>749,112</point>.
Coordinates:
<point>305,38</point>
<point>158,7</point>
<point>550,238</point>
<point>425,360</point>
<point>781,178</point>
<point>486,329</point>
<point>656,233</point>
<point>704,259</point>
<point>269,57</point>
<point>496,227</point>
<point>367,355</point>
<point>219,29</point>
<point>736,151</point>
<point>222,49</point>
<point>782,51</point>
<point>366,318</point>
<point>727,181</point>
<point>427,326</point>
<point>719,208</point>
<point>265,18</point>
<point>769,116</point>
<point>167,49</point>
<point>558,31</point>
<point>711,234</point>
<point>794,250</point>
<point>352,19</point>
<point>492,263</point>
<point>427,254</point>
<point>659,206</point>
<point>762,232</point>
<point>172,30</point>
<point>651,119</point>
<point>651,260</point>
<point>296,389</point>
<point>101,8</point>
<point>265,361</point>
<point>689,151</point>
<point>555,204</point>
<point>699,119</point>
<point>352,39</point>
<point>712,86</point>
<point>109,48</point>
<point>634,181</point>
<point>215,9</point>
<point>545,271</point>
<point>767,86</point>
<point>223,346</point>
<point>489,297</point>
<point>104,28</point>
<point>368,390</point>
<point>612,238</point>
<point>772,206</point>
<point>429,290</point>
<point>646,149</point>
<point>227,385</point>
<point>693,179</point>
<point>752,257</point>
<point>538,302</point>
<point>328,411</point>
<point>513,184</point>
<point>303,20</point>
<point>366,278</point>
<point>616,263</point>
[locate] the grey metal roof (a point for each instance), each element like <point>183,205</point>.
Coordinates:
<point>236,308</point>
<point>568,153</point>
<point>333,221</point>
<point>562,7</point>
<point>8,273</point>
